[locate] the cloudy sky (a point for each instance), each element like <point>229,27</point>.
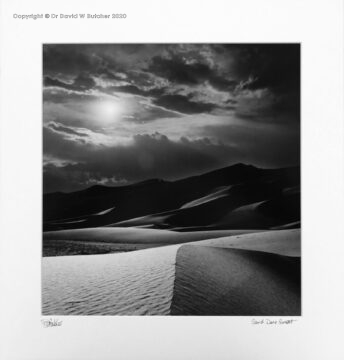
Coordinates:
<point>117,114</point>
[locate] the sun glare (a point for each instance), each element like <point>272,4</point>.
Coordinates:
<point>107,110</point>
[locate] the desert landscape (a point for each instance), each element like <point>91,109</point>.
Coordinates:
<point>222,243</point>
<point>171,180</point>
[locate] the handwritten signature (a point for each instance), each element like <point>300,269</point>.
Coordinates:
<point>273,321</point>
<point>51,322</point>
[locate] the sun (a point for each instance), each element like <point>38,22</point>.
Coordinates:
<point>107,110</point>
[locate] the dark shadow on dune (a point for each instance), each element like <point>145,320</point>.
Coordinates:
<point>218,281</point>
<point>205,200</point>
<point>223,203</point>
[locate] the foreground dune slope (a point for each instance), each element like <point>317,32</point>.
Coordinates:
<point>218,281</point>
<point>139,283</point>
<point>253,274</point>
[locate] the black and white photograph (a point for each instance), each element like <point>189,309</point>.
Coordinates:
<point>171,179</point>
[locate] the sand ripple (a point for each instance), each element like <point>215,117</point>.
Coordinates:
<point>138,283</point>
<point>218,281</point>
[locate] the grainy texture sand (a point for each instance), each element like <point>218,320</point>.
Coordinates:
<point>253,274</point>
<point>218,281</point>
<point>282,242</point>
<point>137,283</point>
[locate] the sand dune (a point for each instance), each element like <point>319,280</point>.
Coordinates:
<point>108,240</point>
<point>139,283</point>
<point>292,225</point>
<point>197,201</point>
<point>215,194</point>
<point>223,276</point>
<point>148,221</point>
<point>218,281</point>
<point>142,198</point>
<point>281,242</point>
<point>136,235</point>
<point>245,217</point>
<point>240,206</point>
<point>265,214</point>
<point>106,211</point>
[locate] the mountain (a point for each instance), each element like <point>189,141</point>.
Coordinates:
<point>235,197</point>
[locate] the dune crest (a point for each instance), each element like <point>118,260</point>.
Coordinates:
<point>251,274</point>
<point>115,284</point>
<point>218,281</point>
<point>281,242</point>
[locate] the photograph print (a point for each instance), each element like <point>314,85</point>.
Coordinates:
<point>171,179</point>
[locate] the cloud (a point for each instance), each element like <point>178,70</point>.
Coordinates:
<point>64,129</point>
<point>215,104</point>
<point>81,83</point>
<point>133,89</point>
<point>277,67</point>
<point>129,89</point>
<point>264,105</point>
<point>183,104</point>
<point>69,59</point>
<point>157,156</point>
<point>260,66</point>
<point>176,70</point>
<point>147,156</point>
<point>80,86</point>
<point>111,75</point>
<point>152,113</point>
<point>61,95</point>
<point>270,145</point>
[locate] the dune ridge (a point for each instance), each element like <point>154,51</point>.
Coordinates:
<point>114,284</point>
<point>281,242</point>
<point>108,239</point>
<point>222,281</point>
<point>249,274</point>
<point>212,199</point>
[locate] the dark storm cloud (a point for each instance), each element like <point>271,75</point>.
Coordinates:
<point>113,62</point>
<point>271,107</point>
<point>129,89</point>
<point>270,65</point>
<point>183,104</point>
<point>134,90</point>
<point>175,102</point>
<point>265,145</point>
<point>63,95</point>
<point>239,103</point>
<point>109,74</point>
<point>82,82</point>
<point>148,156</point>
<point>176,70</point>
<point>48,81</point>
<point>288,105</point>
<point>69,59</point>
<point>153,113</point>
<point>65,129</point>
<point>274,66</point>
